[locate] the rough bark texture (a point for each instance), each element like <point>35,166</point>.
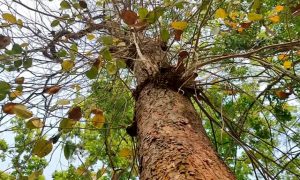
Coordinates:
<point>172,142</point>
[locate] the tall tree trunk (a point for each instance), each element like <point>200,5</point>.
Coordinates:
<point>171,139</point>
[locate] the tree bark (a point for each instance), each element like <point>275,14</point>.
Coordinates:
<point>172,142</point>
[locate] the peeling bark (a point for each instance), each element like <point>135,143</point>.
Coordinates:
<point>172,142</point>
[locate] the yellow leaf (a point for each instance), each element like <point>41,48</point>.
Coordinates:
<point>179,25</point>
<point>89,53</point>
<point>66,39</point>
<point>15,94</point>
<point>63,102</point>
<point>42,148</point>
<point>278,8</point>
<point>274,19</point>
<point>67,65</point>
<point>20,23</point>
<point>24,45</point>
<point>9,18</point>
<point>81,171</point>
<point>34,123</point>
<point>283,57</point>
<point>287,64</point>
<point>19,80</point>
<point>90,36</point>
<point>116,40</point>
<point>221,13</point>
<point>98,120</point>
<point>35,174</point>
<point>254,17</point>
<point>125,152</point>
<point>73,86</point>
<point>22,112</point>
<point>78,88</point>
<point>235,13</point>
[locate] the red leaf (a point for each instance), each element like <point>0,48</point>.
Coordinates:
<point>52,90</point>
<point>178,34</point>
<point>129,17</point>
<point>75,113</point>
<point>246,25</point>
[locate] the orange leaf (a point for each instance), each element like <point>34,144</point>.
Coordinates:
<point>287,64</point>
<point>240,29</point>
<point>139,26</point>
<point>9,108</point>
<point>278,8</point>
<point>281,94</point>
<point>283,57</point>
<point>274,19</point>
<point>96,111</point>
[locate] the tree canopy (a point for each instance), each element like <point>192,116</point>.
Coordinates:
<point>68,87</point>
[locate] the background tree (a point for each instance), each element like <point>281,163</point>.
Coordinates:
<point>157,89</point>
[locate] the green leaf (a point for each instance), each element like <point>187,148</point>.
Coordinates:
<point>92,73</point>
<point>56,138</point>
<point>67,65</point>
<point>165,35</point>
<point>256,4</point>
<point>27,63</point>
<point>67,150</point>
<point>121,64</point>
<point>4,90</point>
<point>180,4</point>
<point>19,88</point>
<point>143,12</point>
<point>55,23</point>
<point>17,49</point>
<point>65,5</point>
<point>107,40</point>
<point>106,54</point>
<point>73,48</point>
<point>66,125</point>
<point>62,53</point>
<point>18,63</point>
<point>111,68</point>
<point>9,52</point>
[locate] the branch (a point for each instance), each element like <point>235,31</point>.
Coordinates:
<point>243,55</point>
